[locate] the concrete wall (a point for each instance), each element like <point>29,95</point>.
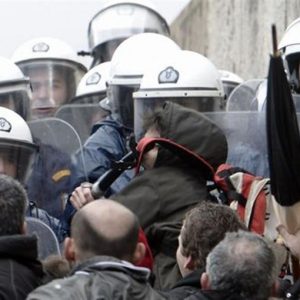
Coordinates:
<point>234,34</point>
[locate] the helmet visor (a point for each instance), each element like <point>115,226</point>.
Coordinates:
<point>145,107</point>
<point>53,84</point>
<point>16,159</point>
<point>122,21</point>
<point>89,98</point>
<point>245,97</point>
<point>122,103</point>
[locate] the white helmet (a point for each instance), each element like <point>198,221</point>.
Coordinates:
<point>16,145</point>
<point>119,20</point>
<point>129,62</point>
<point>92,86</point>
<point>54,72</point>
<point>15,92</point>
<point>230,81</point>
<point>290,50</point>
<point>186,77</point>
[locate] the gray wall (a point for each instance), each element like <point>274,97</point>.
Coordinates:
<point>234,34</point>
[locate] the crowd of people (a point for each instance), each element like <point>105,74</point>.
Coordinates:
<point>117,163</point>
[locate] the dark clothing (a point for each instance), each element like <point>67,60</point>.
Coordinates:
<point>160,197</point>
<point>51,180</point>
<point>214,295</point>
<point>20,271</point>
<point>187,286</point>
<point>101,278</point>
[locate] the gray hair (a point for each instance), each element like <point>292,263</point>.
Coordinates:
<point>242,264</point>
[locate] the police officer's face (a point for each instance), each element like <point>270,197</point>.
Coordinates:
<point>7,165</point>
<point>49,89</point>
<point>7,100</point>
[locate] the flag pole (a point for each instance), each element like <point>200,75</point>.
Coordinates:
<point>274,41</point>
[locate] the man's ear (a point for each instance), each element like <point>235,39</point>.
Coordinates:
<point>69,249</point>
<point>24,228</point>
<point>204,281</point>
<point>139,253</point>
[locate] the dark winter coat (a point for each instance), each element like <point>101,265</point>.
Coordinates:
<point>101,278</point>
<point>20,271</point>
<point>160,197</point>
<point>187,286</point>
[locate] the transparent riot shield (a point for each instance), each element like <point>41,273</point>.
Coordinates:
<point>246,137</point>
<point>248,96</point>
<point>46,239</point>
<point>54,170</point>
<point>82,117</point>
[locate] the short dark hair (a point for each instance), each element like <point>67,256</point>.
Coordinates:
<point>13,203</point>
<point>204,227</point>
<point>243,264</point>
<point>93,241</point>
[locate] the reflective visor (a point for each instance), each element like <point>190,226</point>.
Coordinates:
<point>145,107</point>
<point>53,84</point>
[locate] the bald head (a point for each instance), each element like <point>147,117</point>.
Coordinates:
<point>105,227</point>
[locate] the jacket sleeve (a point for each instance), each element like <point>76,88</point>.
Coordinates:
<point>141,197</point>
<point>104,146</point>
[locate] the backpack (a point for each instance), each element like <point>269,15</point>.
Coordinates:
<point>250,196</point>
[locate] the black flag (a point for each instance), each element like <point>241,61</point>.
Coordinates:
<point>282,134</point>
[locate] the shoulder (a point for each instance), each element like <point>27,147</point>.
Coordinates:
<point>68,288</point>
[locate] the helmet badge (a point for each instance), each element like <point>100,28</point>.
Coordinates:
<point>93,79</point>
<point>168,75</point>
<point>5,125</point>
<point>40,47</point>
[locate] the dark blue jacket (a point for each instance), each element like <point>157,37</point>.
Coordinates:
<point>51,180</point>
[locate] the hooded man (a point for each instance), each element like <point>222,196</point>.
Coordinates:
<point>170,186</point>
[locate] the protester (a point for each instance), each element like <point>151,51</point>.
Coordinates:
<point>20,270</point>
<point>242,266</point>
<point>203,228</point>
<point>103,245</point>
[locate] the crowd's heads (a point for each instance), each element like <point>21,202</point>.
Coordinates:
<point>242,264</point>
<point>13,203</point>
<point>15,92</point>
<point>16,145</point>
<point>129,62</point>
<point>54,72</point>
<point>108,229</point>
<point>119,20</point>
<point>203,228</point>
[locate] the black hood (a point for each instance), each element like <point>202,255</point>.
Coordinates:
<point>194,131</point>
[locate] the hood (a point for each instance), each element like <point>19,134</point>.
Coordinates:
<point>194,131</point>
